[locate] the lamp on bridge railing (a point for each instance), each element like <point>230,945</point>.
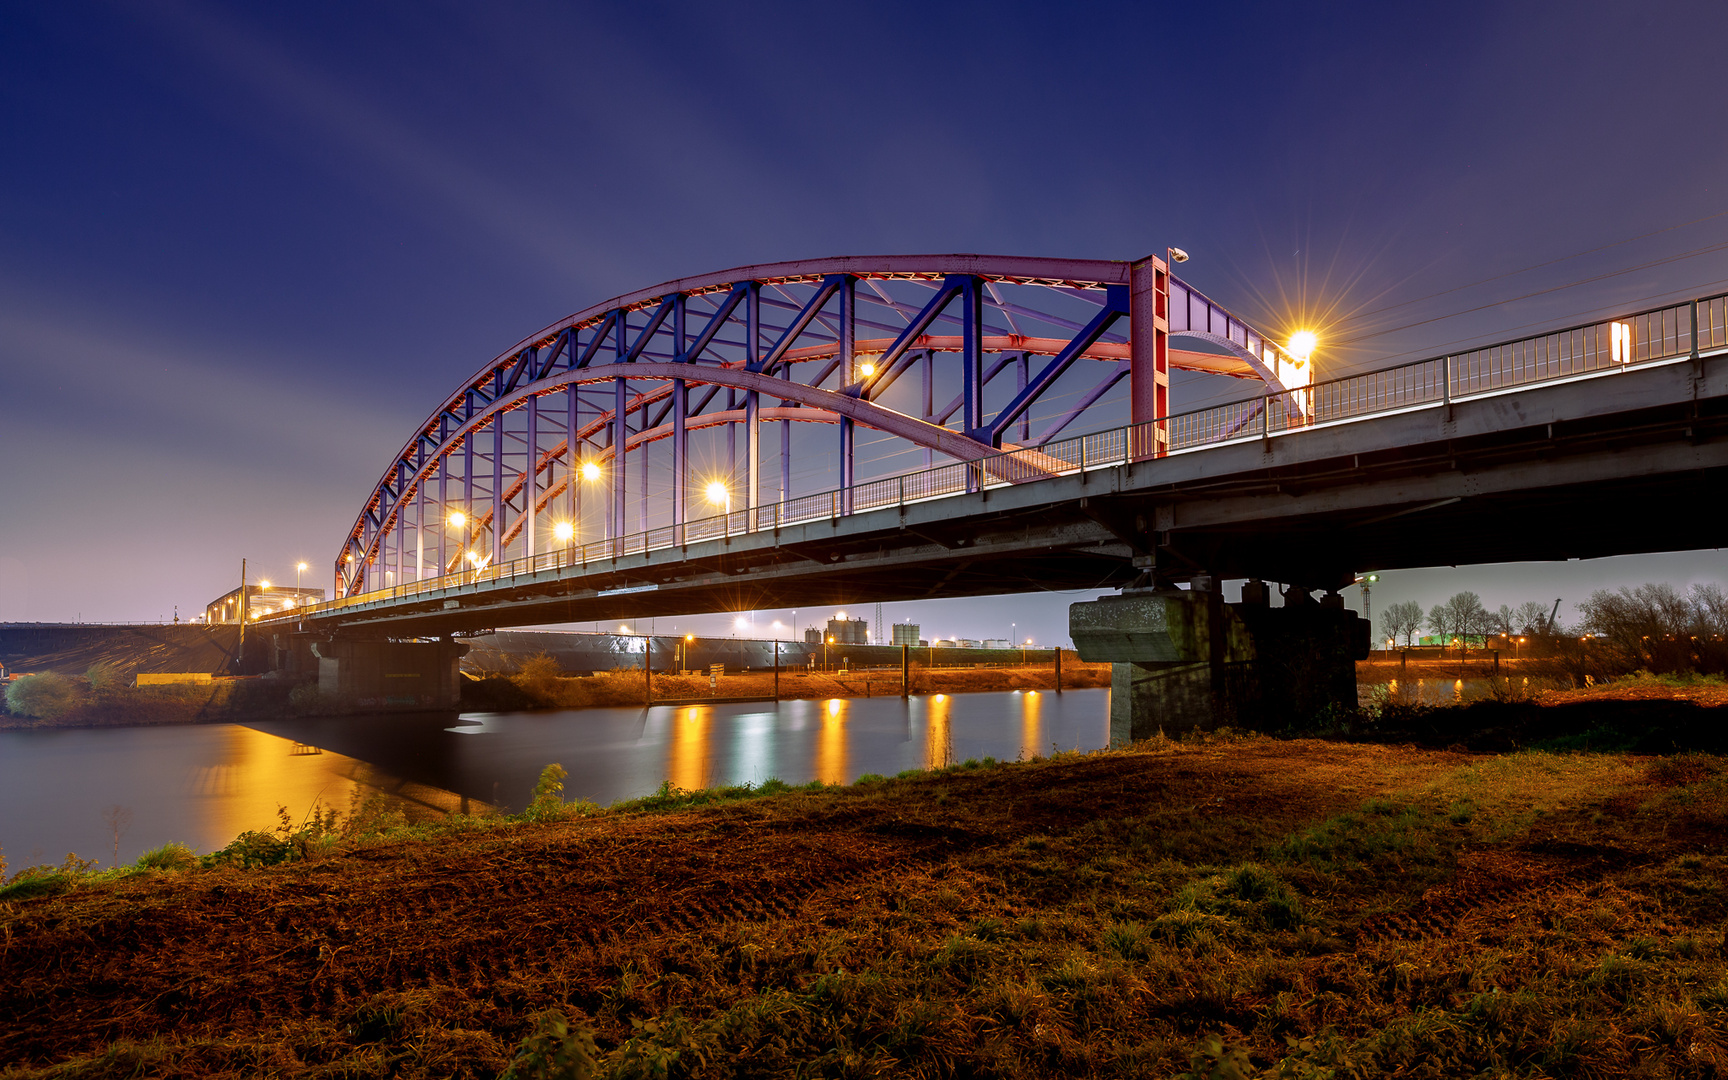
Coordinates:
<point>719,494</point>
<point>563,531</point>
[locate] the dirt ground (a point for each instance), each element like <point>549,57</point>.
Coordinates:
<point>1374,910</point>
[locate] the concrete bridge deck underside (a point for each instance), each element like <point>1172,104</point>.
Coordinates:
<point>1633,462</point>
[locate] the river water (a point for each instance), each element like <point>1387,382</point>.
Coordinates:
<point>64,791</point>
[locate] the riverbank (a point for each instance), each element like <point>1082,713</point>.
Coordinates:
<point>254,700</point>
<point>1372,909</point>
<point>541,688</point>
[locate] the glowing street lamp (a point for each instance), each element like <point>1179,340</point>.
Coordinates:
<point>590,470</point>
<point>299,568</point>
<point>718,494</point>
<point>458,519</point>
<point>867,369</point>
<point>1302,344</point>
<point>563,531</point>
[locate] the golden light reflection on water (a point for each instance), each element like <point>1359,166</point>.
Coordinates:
<point>239,776</point>
<point>687,750</point>
<point>938,733</point>
<point>831,756</point>
<point>1031,723</point>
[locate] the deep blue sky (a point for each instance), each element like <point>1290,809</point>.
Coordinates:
<point>244,249</point>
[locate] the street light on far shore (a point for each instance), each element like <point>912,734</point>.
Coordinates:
<point>458,519</point>
<point>590,470</point>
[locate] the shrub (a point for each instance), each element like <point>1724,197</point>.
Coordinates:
<point>555,1051</point>
<point>170,856</point>
<point>548,793</point>
<point>104,676</point>
<point>45,696</point>
<point>251,849</point>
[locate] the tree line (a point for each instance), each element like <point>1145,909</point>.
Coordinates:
<point>1653,626</point>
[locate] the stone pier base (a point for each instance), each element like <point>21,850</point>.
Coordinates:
<point>370,676</point>
<point>1185,661</point>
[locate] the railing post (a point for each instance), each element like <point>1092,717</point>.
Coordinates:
<point>1692,307</point>
<point>1446,384</point>
<point>1266,420</point>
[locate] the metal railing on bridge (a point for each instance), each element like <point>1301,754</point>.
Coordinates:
<point>1685,329</point>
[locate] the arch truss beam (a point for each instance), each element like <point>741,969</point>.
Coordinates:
<point>584,430</point>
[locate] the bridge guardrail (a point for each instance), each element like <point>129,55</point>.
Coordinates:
<point>1604,347</point>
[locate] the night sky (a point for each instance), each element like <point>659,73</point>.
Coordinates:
<point>245,249</point>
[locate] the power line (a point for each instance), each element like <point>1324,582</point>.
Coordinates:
<point>1709,249</point>
<point>1540,265</point>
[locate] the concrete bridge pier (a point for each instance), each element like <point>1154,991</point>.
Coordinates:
<point>1184,660</point>
<point>361,675</point>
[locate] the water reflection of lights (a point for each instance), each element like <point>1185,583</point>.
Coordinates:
<point>1031,725</point>
<point>939,734</point>
<point>687,749</point>
<point>831,756</point>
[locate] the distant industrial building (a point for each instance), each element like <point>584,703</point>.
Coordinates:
<point>906,633</point>
<point>846,631</point>
<point>812,636</point>
<point>260,601</point>
<point>997,643</point>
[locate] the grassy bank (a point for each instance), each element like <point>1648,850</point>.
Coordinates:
<point>1228,907</point>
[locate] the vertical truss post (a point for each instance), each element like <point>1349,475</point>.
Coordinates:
<point>620,431</point>
<point>680,436</point>
<point>1149,356</point>
<point>848,340</point>
<point>752,400</point>
<point>972,368</point>
<point>572,460</point>
<point>531,477</point>
<point>419,525</point>
<point>929,412</point>
<point>785,460</point>
<point>1023,371</point>
<point>972,357</point>
<point>443,505</point>
<point>498,488</point>
<point>469,529</point>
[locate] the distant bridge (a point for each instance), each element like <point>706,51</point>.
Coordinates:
<point>511,504</point>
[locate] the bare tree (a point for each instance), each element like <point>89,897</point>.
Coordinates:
<point>1503,621</point>
<point>117,818</point>
<point>1402,619</point>
<point>1531,618</point>
<point>1459,617</point>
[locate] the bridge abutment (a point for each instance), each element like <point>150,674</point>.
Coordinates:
<point>1186,660</point>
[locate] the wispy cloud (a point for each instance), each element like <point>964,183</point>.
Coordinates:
<point>370,133</point>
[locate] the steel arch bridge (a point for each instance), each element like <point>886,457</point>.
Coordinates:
<point>535,451</point>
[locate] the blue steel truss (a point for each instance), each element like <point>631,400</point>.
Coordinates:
<point>535,451</point>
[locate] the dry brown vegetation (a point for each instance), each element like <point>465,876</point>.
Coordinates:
<point>1231,908</point>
